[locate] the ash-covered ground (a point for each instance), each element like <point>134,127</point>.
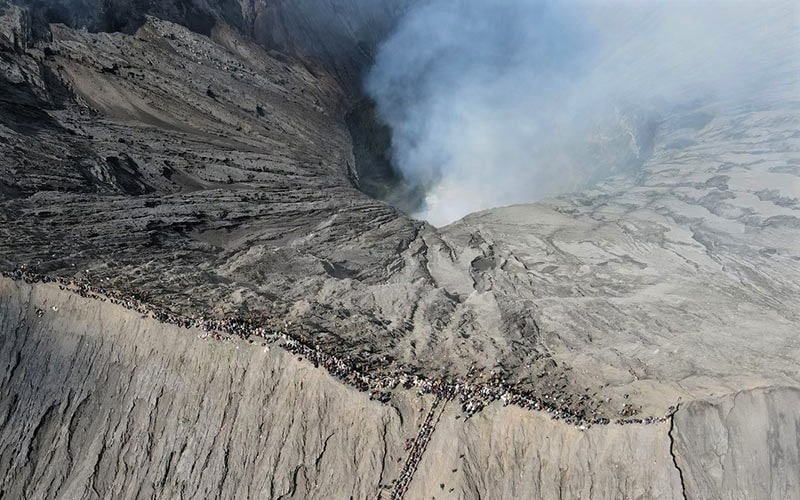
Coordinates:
<point>205,175</point>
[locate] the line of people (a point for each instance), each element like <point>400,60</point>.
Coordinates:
<point>474,392</point>
<point>415,452</point>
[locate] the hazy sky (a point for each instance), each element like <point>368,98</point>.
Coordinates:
<point>510,101</point>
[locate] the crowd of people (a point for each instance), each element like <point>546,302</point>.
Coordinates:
<point>475,391</point>
<point>216,328</point>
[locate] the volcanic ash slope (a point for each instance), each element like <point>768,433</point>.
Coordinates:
<point>213,178</point>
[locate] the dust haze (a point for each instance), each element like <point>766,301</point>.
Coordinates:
<point>512,101</point>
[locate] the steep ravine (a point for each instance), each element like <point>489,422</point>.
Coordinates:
<point>98,402</point>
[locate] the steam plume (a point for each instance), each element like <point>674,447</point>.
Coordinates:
<point>510,101</point>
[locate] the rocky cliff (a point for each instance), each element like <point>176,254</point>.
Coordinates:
<point>202,175</point>
<point>340,36</point>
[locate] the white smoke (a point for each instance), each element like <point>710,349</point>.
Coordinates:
<point>509,101</point>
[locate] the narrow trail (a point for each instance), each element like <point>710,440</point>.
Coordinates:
<point>417,449</point>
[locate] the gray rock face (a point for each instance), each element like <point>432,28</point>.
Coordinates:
<point>209,177</point>
<point>742,445</point>
<point>339,35</point>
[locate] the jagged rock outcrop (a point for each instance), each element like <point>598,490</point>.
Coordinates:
<point>338,35</point>
<point>207,176</point>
